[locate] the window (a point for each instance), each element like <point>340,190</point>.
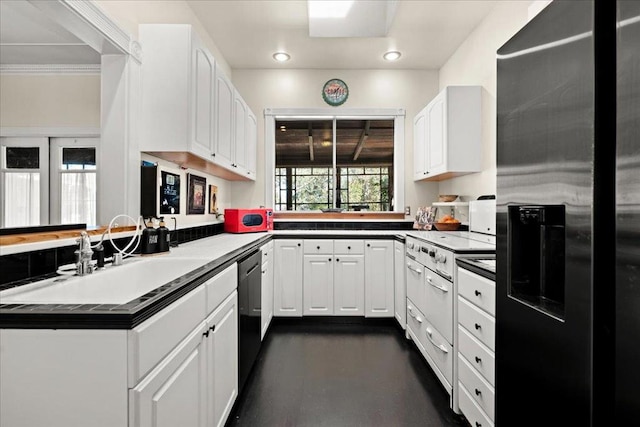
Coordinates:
<point>48,181</point>
<point>343,163</point>
<point>25,181</point>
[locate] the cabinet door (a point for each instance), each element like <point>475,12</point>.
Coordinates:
<point>378,277</point>
<point>348,285</point>
<point>419,145</point>
<point>287,280</point>
<point>239,132</point>
<point>224,121</point>
<point>400,285</point>
<point>174,392</point>
<point>252,144</point>
<point>436,136</point>
<point>202,81</point>
<point>222,361</point>
<point>318,285</point>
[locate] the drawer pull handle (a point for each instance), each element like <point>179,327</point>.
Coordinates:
<point>478,360</point>
<point>478,293</point>
<point>349,247</point>
<point>206,333</point>
<point>412,314</point>
<point>478,424</point>
<point>478,392</point>
<point>442,288</point>
<point>478,326</point>
<point>440,347</point>
<point>414,269</point>
<point>337,259</point>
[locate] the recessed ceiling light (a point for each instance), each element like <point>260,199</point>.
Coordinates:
<point>392,55</point>
<point>281,56</point>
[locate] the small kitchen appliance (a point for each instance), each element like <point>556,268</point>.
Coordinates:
<point>248,220</point>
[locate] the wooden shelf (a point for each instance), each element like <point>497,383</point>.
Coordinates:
<point>16,239</point>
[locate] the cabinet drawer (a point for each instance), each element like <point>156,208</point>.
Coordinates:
<point>479,389</point>
<point>471,410</point>
<point>343,247</point>
<point>478,290</point>
<point>477,354</point>
<point>221,286</point>
<point>477,322</point>
<point>150,341</point>
<point>439,349</point>
<point>438,303</point>
<point>318,246</point>
<point>267,251</point>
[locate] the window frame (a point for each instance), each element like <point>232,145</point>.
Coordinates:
<point>395,114</point>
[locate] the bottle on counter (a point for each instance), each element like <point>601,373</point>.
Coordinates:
<point>164,236</point>
<point>149,239</point>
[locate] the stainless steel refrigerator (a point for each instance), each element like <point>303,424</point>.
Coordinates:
<point>568,218</point>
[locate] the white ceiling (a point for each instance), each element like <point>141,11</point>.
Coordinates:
<point>248,32</point>
<point>27,36</point>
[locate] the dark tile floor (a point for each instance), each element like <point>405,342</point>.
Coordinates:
<point>341,374</point>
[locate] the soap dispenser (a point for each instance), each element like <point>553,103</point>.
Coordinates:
<point>149,239</point>
<point>164,237</point>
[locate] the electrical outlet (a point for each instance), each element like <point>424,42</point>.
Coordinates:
<point>407,210</point>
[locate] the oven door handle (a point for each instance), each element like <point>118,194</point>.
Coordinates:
<point>444,273</point>
<point>430,281</point>
<point>413,269</point>
<point>415,316</point>
<point>440,347</point>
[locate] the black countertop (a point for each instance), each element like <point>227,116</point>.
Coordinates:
<point>472,263</point>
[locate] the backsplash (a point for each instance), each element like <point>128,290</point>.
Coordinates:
<point>24,267</point>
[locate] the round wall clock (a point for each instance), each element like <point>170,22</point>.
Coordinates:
<point>335,92</point>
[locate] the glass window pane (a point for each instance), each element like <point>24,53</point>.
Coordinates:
<point>22,199</point>
<point>23,157</point>
<point>79,158</point>
<point>78,198</point>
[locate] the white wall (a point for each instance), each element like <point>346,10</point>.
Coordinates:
<point>49,100</point>
<point>408,89</point>
<point>474,63</point>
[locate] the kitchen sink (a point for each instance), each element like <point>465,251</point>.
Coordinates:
<point>113,285</point>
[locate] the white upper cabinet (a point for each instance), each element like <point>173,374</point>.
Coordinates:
<point>189,113</point>
<point>447,135</point>
<point>223,151</point>
<point>252,143</point>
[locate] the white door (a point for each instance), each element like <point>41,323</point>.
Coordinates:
<point>287,278</point>
<point>378,277</point>
<point>173,394</point>
<point>348,285</point>
<point>224,120</point>
<point>419,145</point>
<point>400,285</point>
<point>202,82</point>
<point>318,285</point>
<point>222,361</point>
<point>436,138</point>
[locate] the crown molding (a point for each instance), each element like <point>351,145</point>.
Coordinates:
<point>50,69</point>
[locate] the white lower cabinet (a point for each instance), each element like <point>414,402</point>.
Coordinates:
<point>476,346</point>
<point>348,285</point>
<point>378,278</point>
<point>222,361</point>
<point>287,279</point>
<point>318,285</point>
<point>267,288</point>
<point>174,393</point>
<point>400,287</point>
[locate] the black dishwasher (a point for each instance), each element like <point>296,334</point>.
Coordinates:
<point>249,311</point>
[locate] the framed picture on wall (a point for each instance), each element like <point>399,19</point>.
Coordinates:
<point>169,193</point>
<point>213,199</point>
<point>196,194</point>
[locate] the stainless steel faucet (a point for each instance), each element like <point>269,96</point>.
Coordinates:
<point>83,255</point>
